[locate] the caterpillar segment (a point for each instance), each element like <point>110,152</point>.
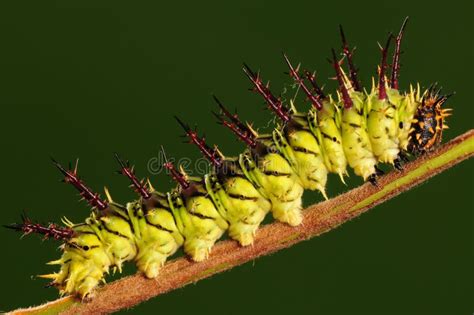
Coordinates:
<point>294,139</point>
<point>102,242</point>
<point>234,196</point>
<point>156,234</point>
<point>301,148</point>
<point>381,122</point>
<point>323,121</point>
<point>197,218</point>
<point>271,173</point>
<point>268,171</point>
<point>407,103</point>
<point>240,203</point>
<point>325,124</point>
<point>355,137</point>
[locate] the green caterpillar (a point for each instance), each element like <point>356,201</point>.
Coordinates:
<point>354,127</point>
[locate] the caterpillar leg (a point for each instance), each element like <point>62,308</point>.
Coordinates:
<point>288,212</point>
<point>398,164</point>
<point>401,159</point>
<point>373,180</point>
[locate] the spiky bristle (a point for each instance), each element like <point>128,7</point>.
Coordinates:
<point>273,102</point>
<point>70,176</point>
<point>127,170</point>
<point>342,87</point>
<point>295,75</point>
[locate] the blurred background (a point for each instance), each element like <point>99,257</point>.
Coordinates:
<point>84,79</point>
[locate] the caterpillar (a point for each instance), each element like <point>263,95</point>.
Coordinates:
<point>354,128</point>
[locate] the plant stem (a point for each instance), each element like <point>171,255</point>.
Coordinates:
<point>318,219</point>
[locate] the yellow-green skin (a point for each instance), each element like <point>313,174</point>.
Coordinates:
<point>407,105</point>
<point>275,179</point>
<point>240,204</point>
<point>382,126</point>
<point>355,137</point>
<point>301,149</point>
<point>156,235</point>
<point>198,220</point>
<point>325,124</point>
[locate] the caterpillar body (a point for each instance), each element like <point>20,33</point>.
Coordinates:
<point>354,127</point>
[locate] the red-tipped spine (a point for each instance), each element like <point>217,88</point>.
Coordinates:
<point>236,126</point>
<point>396,56</point>
<point>352,69</point>
<point>383,66</point>
<point>50,231</point>
<point>70,176</point>
<point>211,154</point>
<point>127,170</point>
<point>243,135</point>
<point>233,117</point>
<point>312,79</point>
<point>294,74</point>
<point>177,176</point>
<point>274,103</point>
<point>342,87</point>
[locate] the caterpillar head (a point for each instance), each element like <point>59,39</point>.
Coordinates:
<point>429,122</point>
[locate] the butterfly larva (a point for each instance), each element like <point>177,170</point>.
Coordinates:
<point>354,127</point>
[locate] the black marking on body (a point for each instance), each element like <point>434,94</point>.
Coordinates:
<point>158,226</point>
<point>115,232</point>
<point>200,215</point>
<point>334,139</point>
<point>242,197</point>
<point>276,173</point>
<point>304,150</point>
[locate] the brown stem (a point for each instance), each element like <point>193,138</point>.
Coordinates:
<point>318,219</point>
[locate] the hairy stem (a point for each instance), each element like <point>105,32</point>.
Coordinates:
<point>318,219</point>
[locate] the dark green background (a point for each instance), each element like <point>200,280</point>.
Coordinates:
<point>85,79</point>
